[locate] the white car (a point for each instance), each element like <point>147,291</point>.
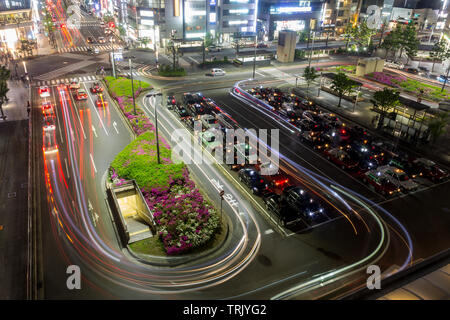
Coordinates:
<point>398,177</point>
<point>44,91</point>
<point>217,72</point>
<point>209,121</point>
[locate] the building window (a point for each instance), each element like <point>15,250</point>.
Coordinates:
<point>341,13</point>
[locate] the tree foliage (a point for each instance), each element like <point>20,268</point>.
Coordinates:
<point>384,100</point>
<point>437,125</point>
<point>342,85</point>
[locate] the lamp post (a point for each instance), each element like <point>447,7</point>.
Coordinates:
<point>156,123</point>
<point>132,82</point>
<point>356,99</point>
<point>320,84</point>
<point>254,56</point>
<point>113,65</point>
<point>312,48</point>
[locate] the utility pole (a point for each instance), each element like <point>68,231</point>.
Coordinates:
<point>446,78</point>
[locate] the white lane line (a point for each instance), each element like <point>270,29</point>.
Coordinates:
<point>93,164</point>
<point>81,126</point>
<point>115,127</point>
<point>96,111</point>
<point>262,75</point>
<point>67,168</point>
<point>268,231</point>
<point>57,117</point>
<point>95,131</point>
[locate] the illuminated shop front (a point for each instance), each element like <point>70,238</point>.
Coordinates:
<point>291,15</point>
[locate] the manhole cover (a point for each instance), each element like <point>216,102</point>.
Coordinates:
<point>11,195</point>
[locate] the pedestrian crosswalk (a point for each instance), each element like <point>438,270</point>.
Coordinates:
<point>66,80</point>
<point>101,48</point>
<point>123,69</point>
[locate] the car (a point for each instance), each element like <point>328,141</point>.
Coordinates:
<point>217,72</point>
<point>101,40</point>
<point>277,206</point>
<point>399,178</point>
<point>49,140</point>
<point>208,122</point>
<point>208,139</point>
<point>74,85</point>
<point>274,177</point>
<point>380,183</point>
<point>252,179</point>
<point>171,101</point>
<point>47,109</point>
<point>101,102</point>
<point>340,158</point>
<point>195,110</point>
<point>302,203</point>
<point>90,40</point>
<point>44,91</point>
<point>261,45</point>
<point>429,169</point>
<point>81,95</point>
<point>96,88</point>
<point>412,70</point>
<point>365,161</point>
<point>192,98</point>
<point>181,111</point>
<point>442,78</point>
<point>214,48</point>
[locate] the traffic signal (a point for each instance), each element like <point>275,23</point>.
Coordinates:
<point>111,24</point>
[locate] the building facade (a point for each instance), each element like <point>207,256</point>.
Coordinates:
<point>294,15</point>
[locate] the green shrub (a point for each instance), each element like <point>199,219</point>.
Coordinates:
<point>139,161</point>
<point>168,71</point>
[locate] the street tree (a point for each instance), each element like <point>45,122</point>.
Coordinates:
<point>342,85</point>
<point>392,41</point>
<point>383,101</point>
<point>310,74</point>
<point>363,34</point>
<point>439,52</point>
<point>3,98</point>
<point>437,125</point>
<point>411,42</point>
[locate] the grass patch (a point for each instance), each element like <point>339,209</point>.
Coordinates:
<point>122,86</point>
<point>152,246</point>
<point>168,71</point>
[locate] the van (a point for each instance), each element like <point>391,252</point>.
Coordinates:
<point>217,72</point>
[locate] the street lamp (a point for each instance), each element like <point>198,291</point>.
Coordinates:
<point>312,48</point>
<point>132,81</point>
<point>254,56</point>
<point>113,65</point>
<point>156,123</point>
<point>356,99</point>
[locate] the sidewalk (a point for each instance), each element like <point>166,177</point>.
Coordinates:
<point>16,108</point>
<point>14,194</point>
<point>363,116</point>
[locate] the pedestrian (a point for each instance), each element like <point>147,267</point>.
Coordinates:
<point>28,111</point>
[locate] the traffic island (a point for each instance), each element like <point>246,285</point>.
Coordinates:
<point>186,222</point>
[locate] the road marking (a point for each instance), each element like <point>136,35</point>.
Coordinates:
<point>115,127</point>
<point>95,131</point>
<point>262,75</point>
<point>93,164</point>
<point>79,119</point>
<point>268,231</point>
<point>88,93</point>
<point>67,168</point>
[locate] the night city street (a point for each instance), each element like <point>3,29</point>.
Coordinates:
<point>224,150</point>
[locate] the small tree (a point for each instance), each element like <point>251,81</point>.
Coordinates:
<point>208,39</point>
<point>437,125</point>
<point>392,41</point>
<point>310,74</point>
<point>384,100</point>
<point>439,52</point>
<point>342,85</point>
